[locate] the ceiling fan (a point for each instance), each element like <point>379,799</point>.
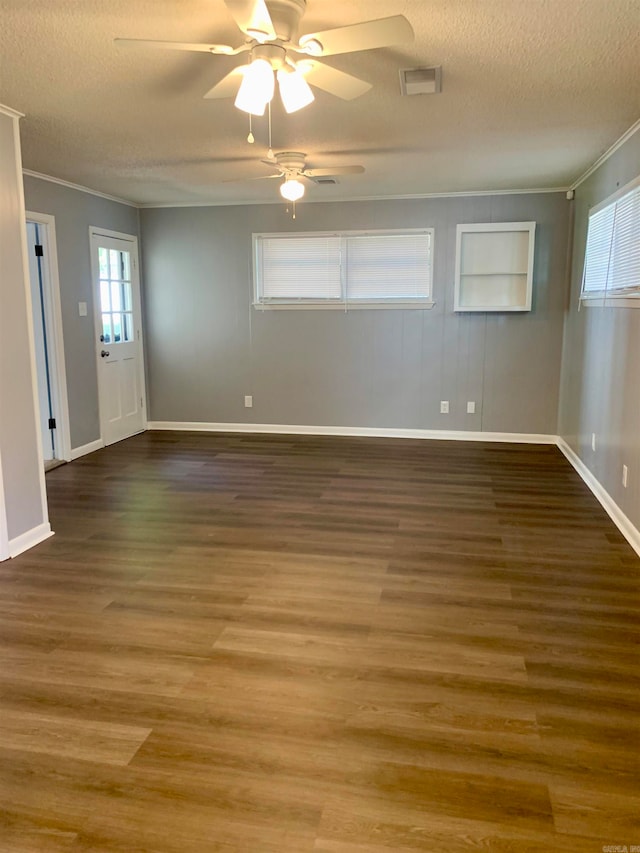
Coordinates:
<point>292,166</point>
<point>272,35</point>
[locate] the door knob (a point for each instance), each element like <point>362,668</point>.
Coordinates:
<point>104,353</point>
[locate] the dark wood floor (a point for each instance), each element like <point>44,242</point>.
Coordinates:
<point>257,644</point>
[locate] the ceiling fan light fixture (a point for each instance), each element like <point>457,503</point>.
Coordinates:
<point>292,189</point>
<point>256,89</point>
<point>294,90</point>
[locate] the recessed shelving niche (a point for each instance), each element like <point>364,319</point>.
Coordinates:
<point>494,266</point>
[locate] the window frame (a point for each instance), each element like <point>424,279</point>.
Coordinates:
<point>461,272</point>
<point>341,304</point>
<point>620,298</point>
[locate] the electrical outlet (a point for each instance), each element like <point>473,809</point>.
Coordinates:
<point>625,476</point>
<point>248,401</point>
<point>593,441</point>
<point>471,407</point>
<point>444,407</point>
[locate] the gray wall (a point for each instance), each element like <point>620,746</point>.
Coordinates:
<point>19,438</point>
<point>207,347</point>
<point>601,359</point>
<point>75,211</point>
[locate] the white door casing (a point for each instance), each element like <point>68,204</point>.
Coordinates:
<point>118,334</point>
<point>4,535</point>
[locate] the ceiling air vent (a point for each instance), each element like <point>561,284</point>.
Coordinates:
<point>325,180</point>
<point>421,81</point>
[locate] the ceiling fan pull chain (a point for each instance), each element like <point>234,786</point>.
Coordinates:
<point>270,152</point>
<point>251,138</point>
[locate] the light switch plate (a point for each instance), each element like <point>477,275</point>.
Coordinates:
<point>82,309</point>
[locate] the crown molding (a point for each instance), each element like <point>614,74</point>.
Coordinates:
<point>411,197</point>
<point>9,112</point>
<point>41,177</point>
<point>234,203</point>
<point>608,153</point>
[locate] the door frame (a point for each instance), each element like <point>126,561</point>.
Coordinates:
<point>94,232</point>
<point>53,323</point>
<point>4,533</point>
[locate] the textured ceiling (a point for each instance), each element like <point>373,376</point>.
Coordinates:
<point>533,92</point>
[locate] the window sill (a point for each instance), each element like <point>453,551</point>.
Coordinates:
<point>621,300</point>
<point>344,306</point>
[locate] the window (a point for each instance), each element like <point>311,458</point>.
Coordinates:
<point>346,269</point>
<point>115,296</point>
<point>612,257</point>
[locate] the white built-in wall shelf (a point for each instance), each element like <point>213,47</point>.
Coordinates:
<point>494,266</point>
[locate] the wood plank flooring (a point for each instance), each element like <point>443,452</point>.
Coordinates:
<point>263,644</point>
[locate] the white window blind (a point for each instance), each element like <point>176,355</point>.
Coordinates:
<point>339,269</point>
<point>388,266</point>
<point>612,257</point>
<point>301,268</point>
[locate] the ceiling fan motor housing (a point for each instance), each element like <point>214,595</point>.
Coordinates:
<point>285,16</point>
<point>290,161</point>
<point>272,53</point>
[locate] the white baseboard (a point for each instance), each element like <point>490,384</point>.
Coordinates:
<point>621,521</point>
<point>371,432</point>
<point>29,539</point>
<point>77,452</point>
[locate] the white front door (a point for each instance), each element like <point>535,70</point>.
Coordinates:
<point>118,335</point>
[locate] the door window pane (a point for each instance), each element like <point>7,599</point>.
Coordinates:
<point>115,264</point>
<point>127,327</point>
<point>126,271</point>
<point>106,328</point>
<point>116,296</point>
<point>103,260</point>
<point>126,296</point>
<point>117,327</point>
<point>105,304</point>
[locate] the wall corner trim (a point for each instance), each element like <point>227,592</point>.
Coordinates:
<point>621,521</point>
<point>29,539</point>
<point>77,452</point>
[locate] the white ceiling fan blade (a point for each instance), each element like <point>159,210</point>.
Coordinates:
<point>253,18</point>
<point>228,86</point>
<point>225,49</point>
<point>333,172</point>
<point>339,83</point>
<point>242,180</point>
<point>365,36</point>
